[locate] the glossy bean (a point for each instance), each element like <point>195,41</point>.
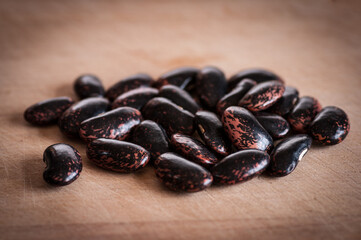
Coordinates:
<point>47,111</point>
<point>179,97</point>
<point>69,122</point>
<point>118,156</point>
<point>115,124</point>
<point>135,98</point>
<point>240,166</point>
<point>330,126</point>
<point>179,174</point>
<point>303,113</point>
<point>127,84</point>
<point>183,77</point>
<point>170,116</point>
<point>244,130</point>
<point>262,96</point>
<point>274,124</point>
<point>88,85</point>
<point>63,164</point>
<point>287,154</point>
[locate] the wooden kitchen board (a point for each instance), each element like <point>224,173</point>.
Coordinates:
<point>44,45</point>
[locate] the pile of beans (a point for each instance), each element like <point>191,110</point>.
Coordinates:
<point>192,125</point>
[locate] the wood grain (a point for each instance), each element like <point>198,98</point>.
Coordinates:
<point>45,45</point>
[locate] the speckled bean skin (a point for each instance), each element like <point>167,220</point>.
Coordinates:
<point>211,86</point>
<point>127,84</point>
<point>179,97</point>
<point>47,111</point>
<point>179,174</point>
<point>115,124</point>
<point>303,113</point>
<point>88,85</point>
<point>69,122</point>
<point>135,98</point>
<point>211,131</point>
<point>170,116</point>
<point>63,164</point>
<point>285,104</point>
<point>234,96</point>
<point>193,150</point>
<point>330,126</point>
<point>256,74</point>
<point>240,166</point>
<point>274,124</point>
<point>286,155</point>
<point>244,130</point>
<point>262,96</point>
<point>183,77</point>
<point>152,137</point>
<point>118,156</point>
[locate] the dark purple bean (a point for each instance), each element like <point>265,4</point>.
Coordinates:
<point>211,86</point>
<point>303,113</point>
<point>262,96</point>
<point>244,130</point>
<point>135,98</point>
<point>63,164</point>
<point>330,126</point>
<point>285,104</point>
<point>286,155</point>
<point>193,150</point>
<point>69,122</point>
<point>183,77</point>
<point>47,111</point>
<point>240,166</point>
<point>88,85</point>
<point>127,84</point>
<point>274,124</point>
<point>115,124</point>
<point>118,156</point>
<point>179,97</point>
<point>210,129</point>
<point>233,97</point>
<point>170,116</point>
<point>256,74</point>
<point>179,174</point>
<point>152,137</point>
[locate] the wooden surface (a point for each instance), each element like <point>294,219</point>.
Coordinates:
<point>44,45</point>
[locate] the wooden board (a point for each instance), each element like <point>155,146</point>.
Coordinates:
<point>45,45</point>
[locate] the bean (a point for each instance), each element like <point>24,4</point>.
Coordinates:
<point>285,104</point>
<point>193,150</point>
<point>244,130</point>
<point>69,122</point>
<point>135,98</point>
<point>240,166</point>
<point>256,74</point>
<point>63,164</point>
<point>115,124</point>
<point>330,126</point>
<point>152,137</point>
<point>118,156</point>
<point>170,116</point>
<point>179,174</point>
<point>287,154</point>
<point>303,113</point>
<point>262,96</point>
<point>47,111</point>
<point>179,97</point>
<point>127,84</point>
<point>211,86</point>
<point>88,85</point>
<point>183,77</point>
<point>211,131</point>
<point>234,96</point>
<point>274,124</point>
